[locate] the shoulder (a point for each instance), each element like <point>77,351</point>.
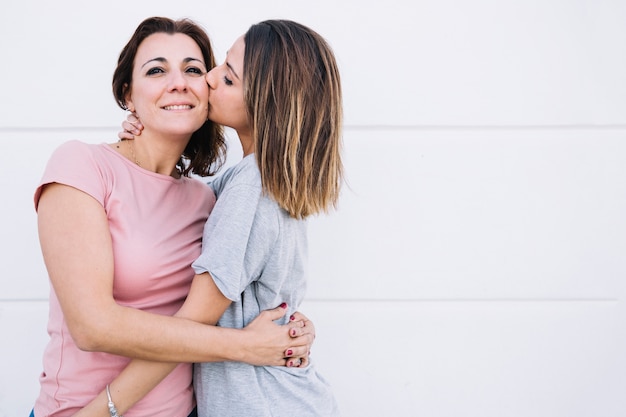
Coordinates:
<point>197,186</point>
<point>75,151</point>
<point>79,146</point>
<point>80,159</point>
<point>244,175</point>
<point>78,165</point>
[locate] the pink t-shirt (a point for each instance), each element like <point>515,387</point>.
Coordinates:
<point>156,224</point>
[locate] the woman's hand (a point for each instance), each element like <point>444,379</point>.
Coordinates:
<point>287,345</point>
<point>301,326</point>
<point>132,127</point>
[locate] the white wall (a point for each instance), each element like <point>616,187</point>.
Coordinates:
<point>476,264</point>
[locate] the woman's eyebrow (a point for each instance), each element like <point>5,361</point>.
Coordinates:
<point>232,70</point>
<point>158,59</point>
<point>161,60</point>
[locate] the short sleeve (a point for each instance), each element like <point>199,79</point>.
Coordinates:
<point>74,164</point>
<point>237,238</point>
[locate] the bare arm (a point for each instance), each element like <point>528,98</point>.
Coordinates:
<point>78,253</point>
<point>205,303</point>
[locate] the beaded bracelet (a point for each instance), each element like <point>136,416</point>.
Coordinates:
<point>112,409</point>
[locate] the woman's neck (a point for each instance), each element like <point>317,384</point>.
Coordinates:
<point>159,155</point>
<point>247,144</point>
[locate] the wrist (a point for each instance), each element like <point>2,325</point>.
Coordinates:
<point>111,405</point>
<point>238,347</point>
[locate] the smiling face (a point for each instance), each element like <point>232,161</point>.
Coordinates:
<point>169,92</point>
<point>226,99</point>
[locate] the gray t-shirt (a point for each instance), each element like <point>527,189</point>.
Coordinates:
<point>256,253</point>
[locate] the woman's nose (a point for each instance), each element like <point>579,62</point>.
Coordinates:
<point>178,81</point>
<point>210,78</point>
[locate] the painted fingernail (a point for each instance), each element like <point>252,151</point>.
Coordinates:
<point>283,305</point>
<point>290,364</point>
<point>289,352</point>
<point>292,317</point>
<point>292,332</point>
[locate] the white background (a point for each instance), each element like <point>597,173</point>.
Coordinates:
<point>476,264</point>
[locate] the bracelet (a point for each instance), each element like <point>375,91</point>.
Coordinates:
<point>112,409</point>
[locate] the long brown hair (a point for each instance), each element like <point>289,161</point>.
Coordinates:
<point>205,153</point>
<point>293,95</point>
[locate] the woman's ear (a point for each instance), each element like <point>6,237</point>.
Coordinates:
<point>128,99</point>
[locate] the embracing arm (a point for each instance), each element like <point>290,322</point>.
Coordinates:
<point>205,303</point>
<point>77,250</point>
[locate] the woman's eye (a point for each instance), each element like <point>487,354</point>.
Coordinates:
<point>195,70</point>
<point>227,81</point>
<point>156,70</point>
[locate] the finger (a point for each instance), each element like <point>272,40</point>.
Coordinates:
<point>296,324</point>
<point>133,124</point>
<point>130,128</point>
<point>299,362</point>
<point>125,135</point>
<point>300,347</point>
<point>304,361</point>
<point>297,329</point>
<point>297,352</point>
<point>297,316</point>
<point>293,363</point>
<point>132,118</point>
<point>275,313</point>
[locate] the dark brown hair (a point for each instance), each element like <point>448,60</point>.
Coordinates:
<point>293,96</point>
<point>206,150</point>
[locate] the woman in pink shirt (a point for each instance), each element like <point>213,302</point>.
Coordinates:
<point>120,225</point>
